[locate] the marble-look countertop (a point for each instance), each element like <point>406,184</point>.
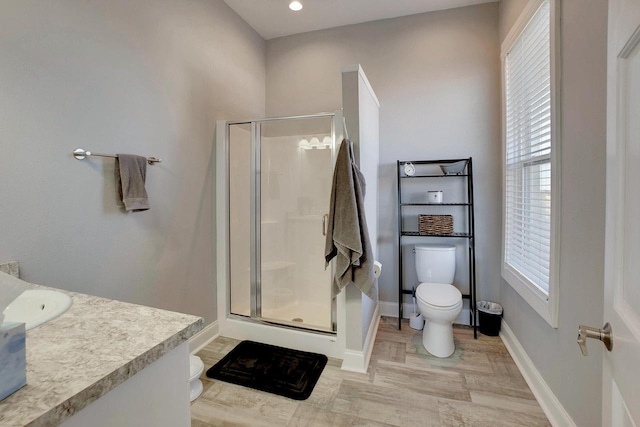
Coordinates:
<point>90,349</point>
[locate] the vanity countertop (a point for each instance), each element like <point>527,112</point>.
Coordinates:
<point>89,350</point>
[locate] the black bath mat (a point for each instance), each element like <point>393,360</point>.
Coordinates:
<point>277,370</point>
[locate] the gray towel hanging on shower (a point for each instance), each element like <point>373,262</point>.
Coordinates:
<point>347,235</point>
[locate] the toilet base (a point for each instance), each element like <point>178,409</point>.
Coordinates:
<point>437,338</point>
<point>195,389</point>
<point>196,367</point>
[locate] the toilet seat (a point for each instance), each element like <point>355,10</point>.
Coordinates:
<point>439,295</point>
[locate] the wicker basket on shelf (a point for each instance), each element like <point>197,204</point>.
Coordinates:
<point>435,224</point>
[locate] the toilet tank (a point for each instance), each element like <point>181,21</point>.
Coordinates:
<point>435,263</point>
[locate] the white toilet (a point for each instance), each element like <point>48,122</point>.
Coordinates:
<point>438,300</point>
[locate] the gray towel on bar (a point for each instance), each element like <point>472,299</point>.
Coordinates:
<point>347,234</point>
<point>131,172</point>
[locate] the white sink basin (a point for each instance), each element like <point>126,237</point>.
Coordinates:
<point>37,306</point>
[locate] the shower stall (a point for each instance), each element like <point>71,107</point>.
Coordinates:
<point>280,172</point>
<point>273,186</point>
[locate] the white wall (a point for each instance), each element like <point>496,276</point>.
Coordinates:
<point>368,153</point>
<point>574,379</point>
<point>437,78</point>
<point>361,113</point>
<point>144,77</point>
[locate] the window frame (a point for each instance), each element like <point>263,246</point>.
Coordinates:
<point>545,305</point>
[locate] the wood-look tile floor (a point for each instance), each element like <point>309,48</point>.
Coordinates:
<point>479,385</point>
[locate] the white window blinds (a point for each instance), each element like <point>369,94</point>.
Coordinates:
<point>528,153</point>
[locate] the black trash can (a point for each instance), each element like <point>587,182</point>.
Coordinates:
<point>490,317</point>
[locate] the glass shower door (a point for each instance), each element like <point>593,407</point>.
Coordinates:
<point>295,175</point>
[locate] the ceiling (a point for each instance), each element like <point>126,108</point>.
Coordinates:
<point>272,18</point>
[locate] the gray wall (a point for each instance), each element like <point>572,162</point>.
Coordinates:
<point>575,380</point>
<point>437,78</point>
<point>509,11</point>
<point>148,77</point>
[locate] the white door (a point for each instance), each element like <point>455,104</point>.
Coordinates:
<point>621,373</point>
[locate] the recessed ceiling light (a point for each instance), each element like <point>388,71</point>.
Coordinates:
<point>295,6</point>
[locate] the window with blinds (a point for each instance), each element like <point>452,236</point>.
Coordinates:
<point>527,233</point>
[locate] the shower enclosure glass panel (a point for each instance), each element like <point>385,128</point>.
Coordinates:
<point>296,173</point>
<point>240,218</point>
<point>280,174</point>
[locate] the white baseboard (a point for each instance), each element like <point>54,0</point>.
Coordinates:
<point>553,409</point>
<point>390,309</point>
<point>371,336</point>
<point>204,337</point>
<point>358,361</point>
<point>353,361</point>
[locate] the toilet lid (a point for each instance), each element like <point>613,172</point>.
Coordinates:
<point>439,294</point>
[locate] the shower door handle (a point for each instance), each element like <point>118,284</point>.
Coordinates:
<point>325,217</point>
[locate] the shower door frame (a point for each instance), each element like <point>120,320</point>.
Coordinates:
<point>255,223</point>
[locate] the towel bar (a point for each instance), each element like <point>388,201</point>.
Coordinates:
<point>80,154</point>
